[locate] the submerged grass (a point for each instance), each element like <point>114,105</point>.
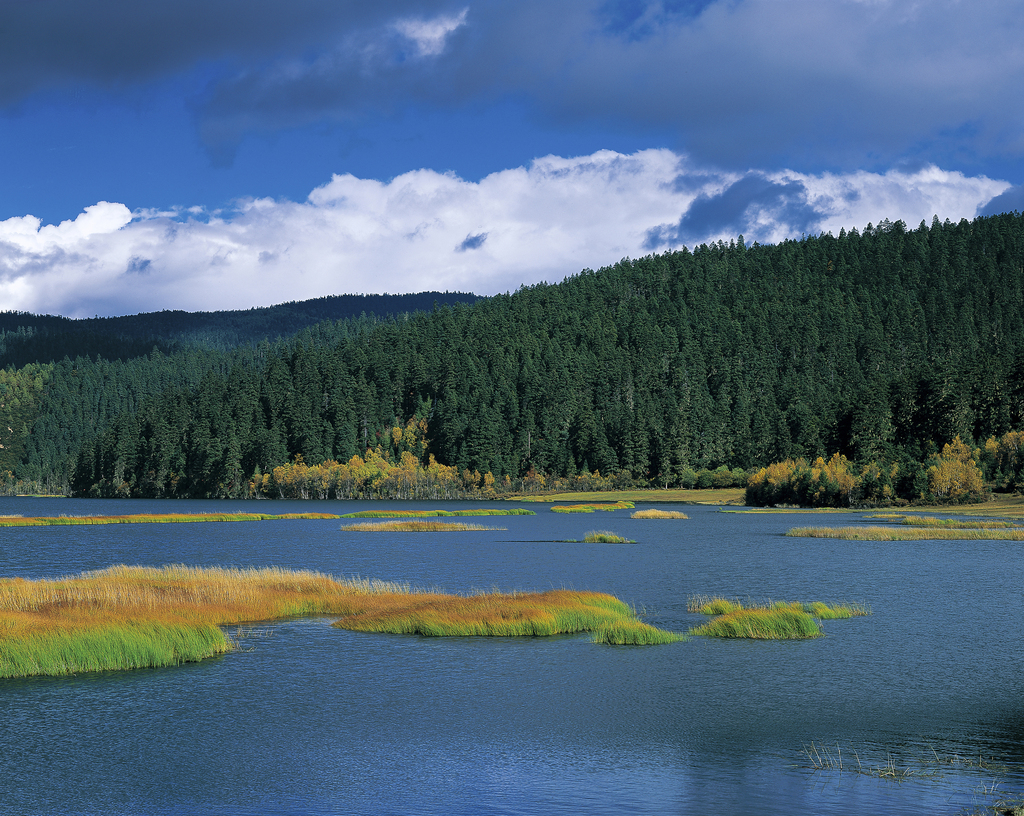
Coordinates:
<point>153,518</point>
<point>414,527</point>
<point>135,617</point>
<point>590,508</point>
<point>517,511</point>
<point>658,514</point>
<point>907,534</point>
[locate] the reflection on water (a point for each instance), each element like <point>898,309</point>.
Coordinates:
<point>308,719</point>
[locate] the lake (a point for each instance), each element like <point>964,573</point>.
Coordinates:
<point>310,719</point>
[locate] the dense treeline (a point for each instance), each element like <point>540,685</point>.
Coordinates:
<point>27,338</point>
<point>881,346</point>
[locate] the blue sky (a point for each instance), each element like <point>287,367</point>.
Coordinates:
<point>212,154</point>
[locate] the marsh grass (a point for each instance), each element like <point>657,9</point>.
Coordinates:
<point>956,524</point>
<point>150,518</point>
<point>717,605</point>
<point>658,514</point>
<point>414,526</point>
<point>414,514</point>
<point>761,624</point>
<point>590,508</point>
<point>134,617</point>
<point>635,633</point>
<point>870,533</point>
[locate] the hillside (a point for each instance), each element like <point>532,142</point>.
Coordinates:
<point>882,345</point>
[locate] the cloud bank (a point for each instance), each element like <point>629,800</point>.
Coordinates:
<point>819,84</point>
<point>428,230</point>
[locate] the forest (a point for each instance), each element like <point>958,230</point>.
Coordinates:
<point>881,346</point>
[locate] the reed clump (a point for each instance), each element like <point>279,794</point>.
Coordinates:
<point>415,514</point>
<point>871,533</point>
<point>414,526</point>
<point>955,524</point>
<point>635,633</point>
<point>658,514</point>
<point>605,537</point>
<point>134,617</point>
<point>590,508</point>
<point>761,624</point>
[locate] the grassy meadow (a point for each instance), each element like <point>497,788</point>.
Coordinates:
<point>136,617</point>
<point>716,496</point>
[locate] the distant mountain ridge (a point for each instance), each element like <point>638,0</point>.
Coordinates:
<point>30,338</point>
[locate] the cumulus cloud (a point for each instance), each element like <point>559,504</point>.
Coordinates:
<point>429,230</point>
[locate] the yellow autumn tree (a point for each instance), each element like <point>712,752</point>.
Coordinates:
<point>954,476</point>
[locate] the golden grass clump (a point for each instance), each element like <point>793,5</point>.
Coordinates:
<point>414,526</point>
<point>133,617</point>
<point>658,514</point>
<point>717,605</point>
<point>870,533</point>
<point>761,624</point>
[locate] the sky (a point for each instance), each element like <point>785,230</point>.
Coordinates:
<point>227,154</point>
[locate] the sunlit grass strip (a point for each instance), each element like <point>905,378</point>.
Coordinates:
<point>414,526</point>
<point>590,508</point>
<point>151,518</point>
<point>500,615</point>
<point>906,534</point>
<point>761,624</point>
<point>955,524</point>
<point>414,514</point>
<point>712,604</point>
<point>658,514</point>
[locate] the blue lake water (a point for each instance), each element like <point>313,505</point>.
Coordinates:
<point>309,719</point>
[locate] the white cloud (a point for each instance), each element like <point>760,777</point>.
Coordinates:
<point>428,230</point>
<point>430,35</point>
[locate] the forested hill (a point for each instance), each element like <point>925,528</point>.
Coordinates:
<point>881,345</point>
<point>27,338</point>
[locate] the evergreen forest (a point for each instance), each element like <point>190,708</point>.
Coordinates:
<point>884,347</point>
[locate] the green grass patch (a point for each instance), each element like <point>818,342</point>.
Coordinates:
<point>414,526</point>
<point>150,518</point>
<point>761,624</point>
<point>635,633</point>
<point>871,533</point>
<point>414,514</point>
<point>605,537</point>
